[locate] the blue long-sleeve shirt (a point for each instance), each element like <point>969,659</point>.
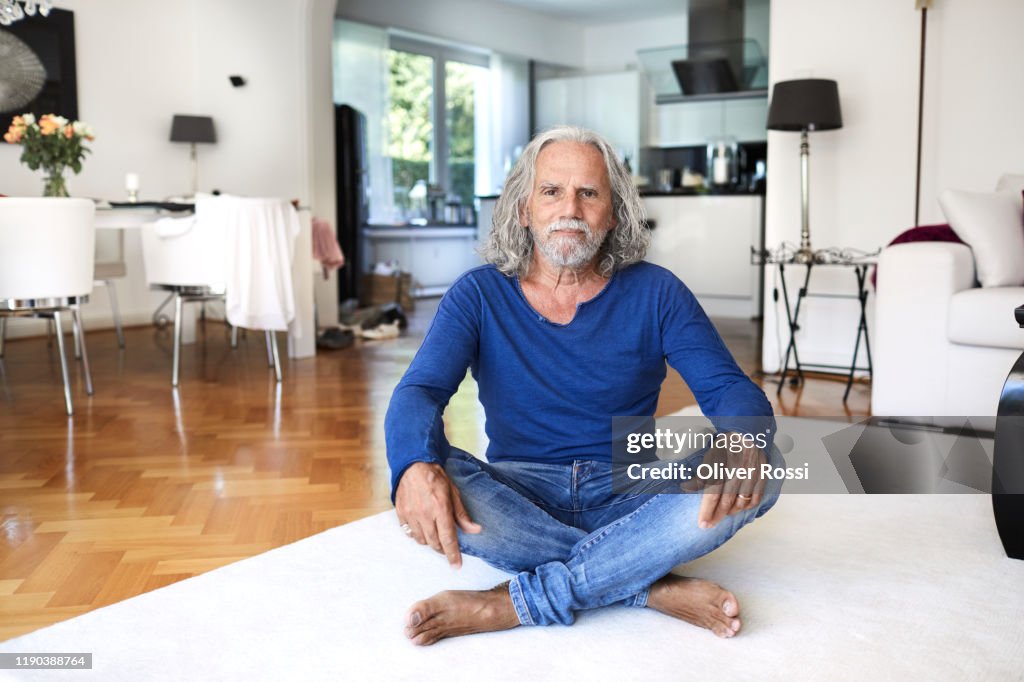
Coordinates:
<point>549,390</point>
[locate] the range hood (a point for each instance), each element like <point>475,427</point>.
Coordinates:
<point>717,62</point>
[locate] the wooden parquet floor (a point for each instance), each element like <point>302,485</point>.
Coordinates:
<point>146,486</point>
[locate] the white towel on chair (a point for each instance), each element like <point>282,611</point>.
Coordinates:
<point>167,228</point>
<point>260,235</point>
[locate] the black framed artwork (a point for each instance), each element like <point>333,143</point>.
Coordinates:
<point>37,67</point>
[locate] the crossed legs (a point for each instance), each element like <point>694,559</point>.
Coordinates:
<point>561,569</point>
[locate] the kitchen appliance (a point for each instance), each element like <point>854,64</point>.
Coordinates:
<point>353,193</point>
<point>705,76</point>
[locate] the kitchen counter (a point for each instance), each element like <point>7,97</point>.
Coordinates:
<point>419,231</point>
<point>687,192</point>
<point>436,254</point>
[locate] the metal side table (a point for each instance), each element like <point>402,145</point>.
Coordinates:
<point>860,270</point>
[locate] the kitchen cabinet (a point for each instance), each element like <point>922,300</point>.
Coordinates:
<point>609,103</point>
<point>705,240</point>
<point>684,124</point>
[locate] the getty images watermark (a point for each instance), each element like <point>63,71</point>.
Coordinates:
<point>689,442</point>
<point>683,454</point>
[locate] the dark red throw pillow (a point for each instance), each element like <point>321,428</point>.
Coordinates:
<point>922,233</point>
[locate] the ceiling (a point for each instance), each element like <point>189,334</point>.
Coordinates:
<point>602,11</point>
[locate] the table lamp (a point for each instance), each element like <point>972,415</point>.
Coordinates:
<point>805,105</point>
<point>193,129</point>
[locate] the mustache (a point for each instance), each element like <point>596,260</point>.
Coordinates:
<point>569,225</point>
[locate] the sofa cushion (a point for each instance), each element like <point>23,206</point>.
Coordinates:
<point>992,224</point>
<point>984,317</point>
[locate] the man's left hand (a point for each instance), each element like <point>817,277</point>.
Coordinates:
<point>729,494</point>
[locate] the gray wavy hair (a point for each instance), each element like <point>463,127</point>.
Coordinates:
<point>510,246</point>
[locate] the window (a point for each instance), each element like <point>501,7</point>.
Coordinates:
<point>410,124</point>
<point>434,156</point>
<point>464,88</point>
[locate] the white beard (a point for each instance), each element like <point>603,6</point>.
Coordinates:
<point>563,249</point>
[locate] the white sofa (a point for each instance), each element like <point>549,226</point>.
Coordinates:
<point>942,344</point>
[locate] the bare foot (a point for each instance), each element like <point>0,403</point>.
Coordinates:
<point>455,613</point>
<point>700,602</point>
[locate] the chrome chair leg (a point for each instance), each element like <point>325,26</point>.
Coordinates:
<point>78,342</point>
<point>177,339</point>
<point>270,353</point>
<point>3,334</point>
<point>63,362</point>
<point>76,321</point>
<point>277,359</point>
<point>234,336</point>
<point>112,293</point>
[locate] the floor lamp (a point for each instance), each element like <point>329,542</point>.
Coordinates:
<point>193,129</point>
<point>805,105</point>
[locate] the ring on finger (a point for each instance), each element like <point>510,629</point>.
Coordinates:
<point>407,529</point>
<point>745,498</point>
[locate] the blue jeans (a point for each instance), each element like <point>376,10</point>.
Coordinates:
<point>574,544</point>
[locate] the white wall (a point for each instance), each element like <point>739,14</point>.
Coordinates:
<point>502,28</point>
<point>260,150</point>
<point>974,127</point>
<point>862,176</point>
<point>141,61</point>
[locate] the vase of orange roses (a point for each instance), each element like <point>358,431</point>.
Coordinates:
<point>53,143</point>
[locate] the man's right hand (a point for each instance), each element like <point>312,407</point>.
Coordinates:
<point>430,504</point>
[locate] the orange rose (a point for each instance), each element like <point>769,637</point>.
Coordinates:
<point>18,122</point>
<point>13,136</point>
<point>47,126</point>
<point>69,132</point>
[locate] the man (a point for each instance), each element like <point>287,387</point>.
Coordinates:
<point>566,327</point>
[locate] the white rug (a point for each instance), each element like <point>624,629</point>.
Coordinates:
<point>831,587</point>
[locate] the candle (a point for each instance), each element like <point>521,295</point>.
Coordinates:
<point>131,182</point>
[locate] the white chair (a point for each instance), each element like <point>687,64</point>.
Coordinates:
<point>46,267</point>
<point>195,258</point>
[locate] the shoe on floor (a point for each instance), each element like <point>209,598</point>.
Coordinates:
<point>383,331</point>
<point>335,339</point>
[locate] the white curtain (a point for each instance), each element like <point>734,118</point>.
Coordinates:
<point>509,129</point>
<point>361,81</point>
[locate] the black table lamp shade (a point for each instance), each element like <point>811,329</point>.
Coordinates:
<point>806,104</point>
<point>192,129</point>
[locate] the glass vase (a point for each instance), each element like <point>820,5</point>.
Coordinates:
<point>53,183</point>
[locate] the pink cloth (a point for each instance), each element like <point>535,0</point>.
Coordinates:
<point>325,246</point>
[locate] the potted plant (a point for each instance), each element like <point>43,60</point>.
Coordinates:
<point>52,143</point>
